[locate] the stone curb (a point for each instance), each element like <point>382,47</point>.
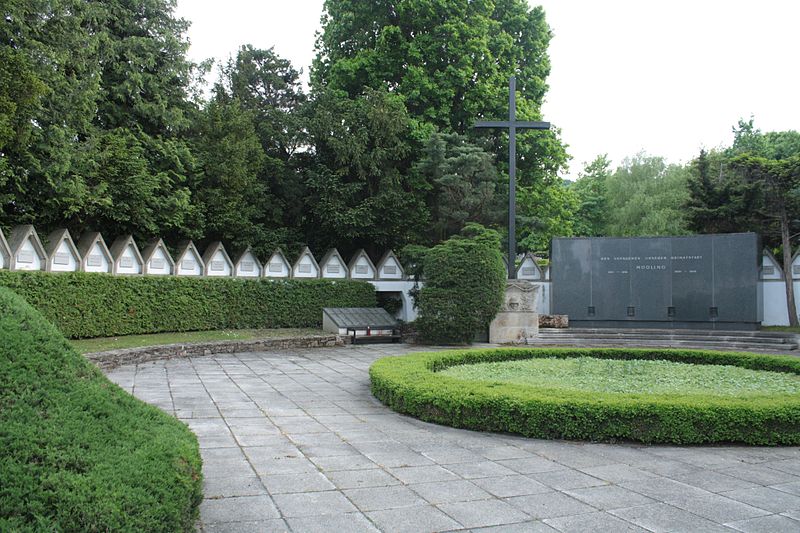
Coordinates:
<point>111,359</point>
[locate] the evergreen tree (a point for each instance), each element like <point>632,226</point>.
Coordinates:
<point>229,155</point>
<point>116,99</point>
<point>464,183</point>
<point>269,88</point>
<point>719,201</point>
<point>770,164</point>
<point>359,198</point>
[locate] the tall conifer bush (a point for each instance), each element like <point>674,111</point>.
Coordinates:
<point>464,284</point>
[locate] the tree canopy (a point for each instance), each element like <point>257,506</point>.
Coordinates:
<point>104,125</point>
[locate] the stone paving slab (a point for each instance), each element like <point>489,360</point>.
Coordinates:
<point>294,441</point>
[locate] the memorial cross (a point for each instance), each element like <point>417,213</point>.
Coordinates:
<point>512,124</point>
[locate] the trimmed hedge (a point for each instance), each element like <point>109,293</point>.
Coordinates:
<point>464,287</point>
<point>79,453</point>
<point>411,385</point>
<point>84,305</point>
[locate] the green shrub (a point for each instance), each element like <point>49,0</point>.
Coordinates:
<point>84,305</point>
<point>412,385</point>
<point>464,285</point>
<point>79,453</point>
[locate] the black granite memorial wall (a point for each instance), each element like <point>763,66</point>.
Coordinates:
<point>701,281</point>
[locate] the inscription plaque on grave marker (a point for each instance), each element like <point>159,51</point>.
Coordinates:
<point>362,269</point>
<point>304,269</point>
<point>95,260</point>
<point>276,267</point>
<point>61,258</point>
<point>126,262</point>
<point>702,281</point>
<point>390,269</point>
<point>25,256</point>
<point>247,266</point>
<point>157,264</point>
<point>217,266</point>
<point>188,264</point>
<point>333,269</point>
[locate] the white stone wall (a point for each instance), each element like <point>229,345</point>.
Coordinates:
<point>219,266</point>
<point>128,262</point>
<point>305,268</point>
<point>362,269</point>
<point>64,260</point>
<point>96,260</point>
<point>159,264</point>
<point>334,268</point>
<point>248,267</point>
<point>390,269</point>
<point>28,258</point>
<point>276,267</point>
<point>189,265</point>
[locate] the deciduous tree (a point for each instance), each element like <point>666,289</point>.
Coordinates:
<point>646,197</point>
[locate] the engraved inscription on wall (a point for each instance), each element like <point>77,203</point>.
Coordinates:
<point>362,269</point>
<point>94,260</point>
<point>126,262</point>
<point>247,266</point>
<point>276,267</point>
<point>217,266</point>
<point>333,269</point>
<point>687,264</point>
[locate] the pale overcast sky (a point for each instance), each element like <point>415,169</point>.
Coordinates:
<point>666,77</point>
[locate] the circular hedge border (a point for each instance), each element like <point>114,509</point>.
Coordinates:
<point>412,385</point>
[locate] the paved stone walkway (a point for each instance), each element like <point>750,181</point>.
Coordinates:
<point>294,441</point>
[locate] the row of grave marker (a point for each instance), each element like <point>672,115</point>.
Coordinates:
<point>24,251</point>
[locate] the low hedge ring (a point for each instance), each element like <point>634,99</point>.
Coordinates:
<point>412,385</point>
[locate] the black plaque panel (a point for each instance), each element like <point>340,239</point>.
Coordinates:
<point>702,281</point>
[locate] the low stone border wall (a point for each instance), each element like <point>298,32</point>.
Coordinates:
<point>126,356</point>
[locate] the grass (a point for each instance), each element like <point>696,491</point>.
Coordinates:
<point>78,452</point>
<point>783,329</point>
<point>102,344</point>
<point>631,377</point>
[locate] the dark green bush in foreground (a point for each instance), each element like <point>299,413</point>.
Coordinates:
<point>411,385</point>
<point>84,305</point>
<point>79,453</point>
<point>464,285</point>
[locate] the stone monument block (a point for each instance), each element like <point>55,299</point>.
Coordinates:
<point>517,319</point>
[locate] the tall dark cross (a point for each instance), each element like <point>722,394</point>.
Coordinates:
<point>512,124</point>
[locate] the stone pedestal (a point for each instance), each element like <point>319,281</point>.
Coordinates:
<point>517,319</point>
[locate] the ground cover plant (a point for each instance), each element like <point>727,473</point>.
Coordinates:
<point>562,393</point>
<point>79,453</point>
<point>86,305</point>
<point>630,376</point>
<point>101,344</point>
